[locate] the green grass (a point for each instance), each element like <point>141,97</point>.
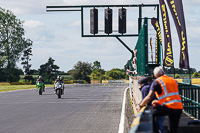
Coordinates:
<point>4,88</point>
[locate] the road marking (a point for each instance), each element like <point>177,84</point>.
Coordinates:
<point>121,124</point>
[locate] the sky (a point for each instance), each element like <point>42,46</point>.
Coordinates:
<point>58,34</point>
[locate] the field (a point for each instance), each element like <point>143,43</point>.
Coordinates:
<point>4,88</point>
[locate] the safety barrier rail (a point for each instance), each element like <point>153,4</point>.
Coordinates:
<point>190,95</point>
<point>97,85</point>
<point>143,123</point>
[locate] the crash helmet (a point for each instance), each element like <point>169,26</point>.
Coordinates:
<point>59,77</point>
<point>40,77</point>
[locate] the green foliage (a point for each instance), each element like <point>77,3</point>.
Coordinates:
<point>115,74</point>
<point>96,65</point>
<point>26,60</point>
<point>2,59</point>
<point>26,64</point>
<point>29,78</point>
<point>195,75</point>
<point>127,77</point>
<point>35,72</point>
<point>97,74</point>
<point>177,76</point>
<point>12,42</point>
<point>14,77</point>
<point>81,71</point>
<point>49,70</point>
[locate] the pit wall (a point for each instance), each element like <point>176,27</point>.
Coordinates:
<point>135,93</point>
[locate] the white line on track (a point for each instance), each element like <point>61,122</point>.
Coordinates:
<point>121,124</point>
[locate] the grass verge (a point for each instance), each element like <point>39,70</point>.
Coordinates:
<point>4,88</point>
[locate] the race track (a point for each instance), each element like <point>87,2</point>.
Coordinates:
<point>82,109</point>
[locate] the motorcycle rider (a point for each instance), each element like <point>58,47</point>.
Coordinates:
<point>40,79</point>
<point>59,79</point>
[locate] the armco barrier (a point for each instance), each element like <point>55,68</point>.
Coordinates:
<point>114,81</point>
<point>104,81</point>
<point>179,80</point>
<point>187,80</point>
<point>143,123</point>
<point>4,83</point>
<point>68,82</point>
<point>73,82</point>
<point>195,80</point>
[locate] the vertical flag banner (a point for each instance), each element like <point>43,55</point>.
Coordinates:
<point>176,8</point>
<point>156,26</point>
<point>168,60</point>
<point>151,49</point>
<point>156,50</point>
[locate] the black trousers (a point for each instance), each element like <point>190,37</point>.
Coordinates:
<point>173,114</point>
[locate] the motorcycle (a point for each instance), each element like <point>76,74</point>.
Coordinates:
<point>40,87</point>
<point>59,89</point>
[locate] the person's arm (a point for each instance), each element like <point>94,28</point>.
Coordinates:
<point>146,100</point>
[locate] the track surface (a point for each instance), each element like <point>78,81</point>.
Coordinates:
<point>82,109</point>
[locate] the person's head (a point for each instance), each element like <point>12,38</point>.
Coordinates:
<point>158,71</point>
<point>59,77</point>
<point>142,81</point>
<point>40,77</point>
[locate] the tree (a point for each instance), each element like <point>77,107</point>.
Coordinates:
<point>26,62</point>
<point>49,70</point>
<point>12,42</point>
<point>81,71</point>
<point>116,74</point>
<point>177,76</point>
<point>96,65</point>
<point>2,59</point>
<point>16,72</point>
<point>195,75</point>
<point>97,74</point>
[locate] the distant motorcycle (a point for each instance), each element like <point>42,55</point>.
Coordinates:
<point>59,89</point>
<point>40,87</point>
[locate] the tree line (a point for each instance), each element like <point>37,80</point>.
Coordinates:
<point>80,71</point>
<point>14,47</point>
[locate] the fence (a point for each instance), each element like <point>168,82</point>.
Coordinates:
<point>143,123</point>
<point>190,95</point>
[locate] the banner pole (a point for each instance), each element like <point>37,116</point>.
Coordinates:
<point>174,72</point>
<point>190,76</point>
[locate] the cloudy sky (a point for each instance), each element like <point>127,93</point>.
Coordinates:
<point>58,34</point>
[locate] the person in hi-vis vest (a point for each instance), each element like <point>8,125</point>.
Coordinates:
<point>169,101</point>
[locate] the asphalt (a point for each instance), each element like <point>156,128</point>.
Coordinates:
<point>82,109</point>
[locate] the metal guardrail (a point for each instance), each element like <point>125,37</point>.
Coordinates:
<point>190,95</point>
<point>97,85</point>
<point>143,123</point>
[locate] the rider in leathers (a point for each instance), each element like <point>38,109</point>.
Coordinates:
<point>40,79</point>
<point>59,79</point>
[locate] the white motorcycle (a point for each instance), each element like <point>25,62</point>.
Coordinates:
<point>59,89</point>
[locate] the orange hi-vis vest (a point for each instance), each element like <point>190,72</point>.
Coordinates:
<point>170,96</point>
